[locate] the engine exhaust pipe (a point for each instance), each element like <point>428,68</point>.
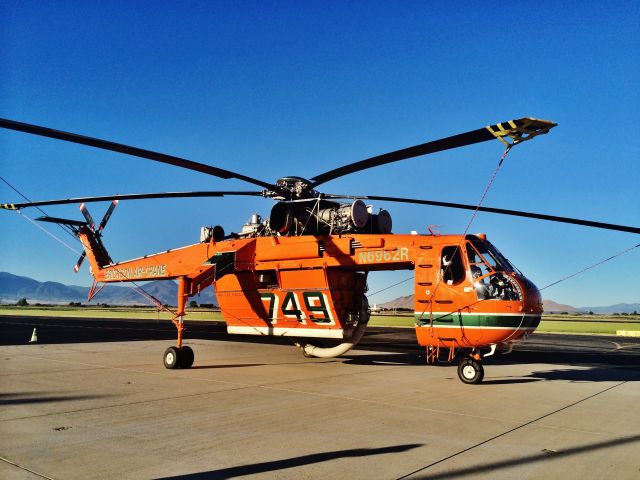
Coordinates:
<point>310,350</point>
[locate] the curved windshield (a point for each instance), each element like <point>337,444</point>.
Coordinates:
<point>484,254</point>
<point>488,270</point>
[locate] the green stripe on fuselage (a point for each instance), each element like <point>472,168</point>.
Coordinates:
<point>487,320</point>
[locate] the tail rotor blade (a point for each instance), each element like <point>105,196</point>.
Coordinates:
<point>107,215</point>
<point>87,215</point>
<point>76,268</point>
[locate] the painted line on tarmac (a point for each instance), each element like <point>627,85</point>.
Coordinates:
<point>530,422</point>
<point>21,467</point>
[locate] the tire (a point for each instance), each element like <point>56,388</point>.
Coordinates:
<point>186,357</point>
<point>171,358</point>
<point>470,371</point>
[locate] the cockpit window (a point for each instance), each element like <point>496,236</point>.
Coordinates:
<point>486,268</point>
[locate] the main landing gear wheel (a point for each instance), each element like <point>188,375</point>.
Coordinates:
<point>170,358</point>
<point>185,357</point>
<point>175,357</point>
<point>470,371</point>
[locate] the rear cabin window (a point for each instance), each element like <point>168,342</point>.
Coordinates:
<point>451,266</point>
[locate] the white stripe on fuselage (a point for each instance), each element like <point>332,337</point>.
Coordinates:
<point>287,332</point>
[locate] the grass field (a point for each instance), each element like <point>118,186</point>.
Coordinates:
<point>108,312</point>
<point>596,324</point>
<point>600,324</point>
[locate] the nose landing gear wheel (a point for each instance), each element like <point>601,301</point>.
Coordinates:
<point>470,371</point>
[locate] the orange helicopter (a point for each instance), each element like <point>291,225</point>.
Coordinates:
<point>302,273</point>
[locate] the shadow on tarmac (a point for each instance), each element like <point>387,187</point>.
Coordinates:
<point>24,398</point>
<point>242,470</point>
<point>593,368</point>
<point>509,381</point>
<point>239,365</point>
<point>383,359</point>
<point>593,374</point>
<point>599,354</point>
<point>599,373</point>
<point>553,355</point>
<point>544,455</point>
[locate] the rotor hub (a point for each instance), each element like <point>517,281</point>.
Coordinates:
<point>295,187</point>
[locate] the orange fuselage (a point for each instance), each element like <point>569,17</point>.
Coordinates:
<point>311,286</point>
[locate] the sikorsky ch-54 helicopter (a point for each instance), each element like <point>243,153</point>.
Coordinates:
<point>302,272</point>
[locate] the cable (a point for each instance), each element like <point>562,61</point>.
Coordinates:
<point>77,252</point>
<point>590,267</point>
<point>458,247</point>
<point>391,286</point>
<point>486,190</point>
<point>30,201</point>
<point>475,212</point>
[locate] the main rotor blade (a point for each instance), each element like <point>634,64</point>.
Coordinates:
<point>501,211</point>
<point>128,150</point>
<point>134,196</point>
<point>519,130</point>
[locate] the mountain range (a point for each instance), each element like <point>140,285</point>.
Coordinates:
<point>549,306</point>
<point>14,287</point>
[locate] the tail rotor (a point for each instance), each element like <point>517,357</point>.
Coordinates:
<point>92,226</point>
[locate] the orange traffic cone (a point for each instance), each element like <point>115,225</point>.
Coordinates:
<point>34,337</point>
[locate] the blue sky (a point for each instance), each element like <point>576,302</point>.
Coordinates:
<point>296,88</point>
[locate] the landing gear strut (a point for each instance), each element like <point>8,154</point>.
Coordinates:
<point>180,356</point>
<point>470,370</point>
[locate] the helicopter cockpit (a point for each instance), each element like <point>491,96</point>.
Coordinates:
<point>490,272</point>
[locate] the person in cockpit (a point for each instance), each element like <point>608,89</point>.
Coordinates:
<point>445,271</point>
<point>482,289</point>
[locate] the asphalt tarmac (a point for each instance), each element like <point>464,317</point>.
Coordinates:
<point>563,348</point>
<point>92,400</point>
